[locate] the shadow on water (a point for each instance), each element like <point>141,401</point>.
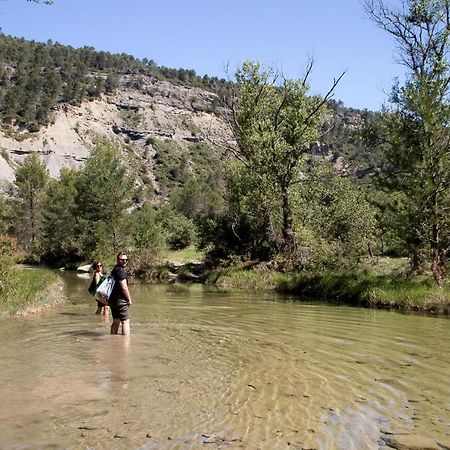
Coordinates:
<point>95,334</point>
<point>79,314</point>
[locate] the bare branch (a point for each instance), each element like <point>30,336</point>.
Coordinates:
<point>327,97</point>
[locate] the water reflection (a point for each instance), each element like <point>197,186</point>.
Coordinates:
<point>228,370</point>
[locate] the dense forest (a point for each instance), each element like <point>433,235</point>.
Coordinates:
<point>34,77</point>
<point>275,201</point>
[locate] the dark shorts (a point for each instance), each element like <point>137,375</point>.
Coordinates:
<point>120,309</point>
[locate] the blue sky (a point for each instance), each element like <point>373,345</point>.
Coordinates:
<point>206,35</point>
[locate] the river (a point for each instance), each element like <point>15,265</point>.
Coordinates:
<point>211,369</point>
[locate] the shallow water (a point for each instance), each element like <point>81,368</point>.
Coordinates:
<point>205,369</point>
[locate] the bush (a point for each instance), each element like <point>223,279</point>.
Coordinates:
<point>180,231</point>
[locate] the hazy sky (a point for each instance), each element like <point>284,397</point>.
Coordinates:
<point>206,35</point>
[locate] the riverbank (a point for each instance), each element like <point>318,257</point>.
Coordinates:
<point>381,285</point>
<point>27,291</point>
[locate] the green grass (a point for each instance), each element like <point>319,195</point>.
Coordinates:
<point>377,287</point>
<point>382,284</point>
<point>29,290</point>
<point>185,255</point>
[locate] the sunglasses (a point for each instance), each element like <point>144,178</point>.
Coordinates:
<point>123,259</point>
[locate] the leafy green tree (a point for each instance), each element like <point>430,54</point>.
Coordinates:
<point>148,239</point>
<point>336,217</point>
<point>246,228</point>
<point>59,221</point>
<point>416,126</point>
<point>274,121</point>
<point>103,193</point>
<point>7,254</point>
<point>31,179</point>
<point>179,231</point>
<point>198,197</point>
<point>6,215</point>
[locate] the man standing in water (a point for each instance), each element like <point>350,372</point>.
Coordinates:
<point>120,298</point>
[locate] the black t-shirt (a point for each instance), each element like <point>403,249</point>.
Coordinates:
<point>118,274</point>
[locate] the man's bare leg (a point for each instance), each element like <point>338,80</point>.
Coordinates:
<point>115,326</point>
<point>126,327</point>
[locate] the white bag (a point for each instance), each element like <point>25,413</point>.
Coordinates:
<point>106,287</point>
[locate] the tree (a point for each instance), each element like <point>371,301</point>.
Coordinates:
<point>274,120</point>
<point>31,178</point>
<point>147,235</point>
<point>104,192</point>
<point>417,124</point>
<point>59,237</point>
<point>336,216</point>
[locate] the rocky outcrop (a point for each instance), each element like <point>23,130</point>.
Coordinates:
<point>192,272</point>
<point>155,109</point>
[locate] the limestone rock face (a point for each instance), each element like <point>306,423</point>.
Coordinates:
<point>133,117</point>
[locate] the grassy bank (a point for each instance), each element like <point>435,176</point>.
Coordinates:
<point>377,291</point>
<point>26,291</point>
<point>381,285</point>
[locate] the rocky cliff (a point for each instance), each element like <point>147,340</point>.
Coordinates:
<point>142,112</point>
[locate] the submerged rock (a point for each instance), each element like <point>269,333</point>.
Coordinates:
<point>411,442</point>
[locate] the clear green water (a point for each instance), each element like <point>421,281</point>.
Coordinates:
<point>205,369</point>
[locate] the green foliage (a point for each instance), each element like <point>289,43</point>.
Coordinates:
<point>6,215</point>
<point>169,164</point>
<point>23,291</point>
<point>246,279</point>
<point>131,118</point>
<point>184,255</point>
<point>103,193</point>
<point>7,253</point>
<point>342,222</point>
<point>146,230</point>
<point>29,291</point>
<point>366,288</point>
<point>147,240</point>
<point>199,197</point>
<point>246,227</point>
<point>394,234</point>
<point>31,179</point>
<point>58,243</point>
<point>274,126</point>
<point>180,232</point>
<point>35,77</point>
